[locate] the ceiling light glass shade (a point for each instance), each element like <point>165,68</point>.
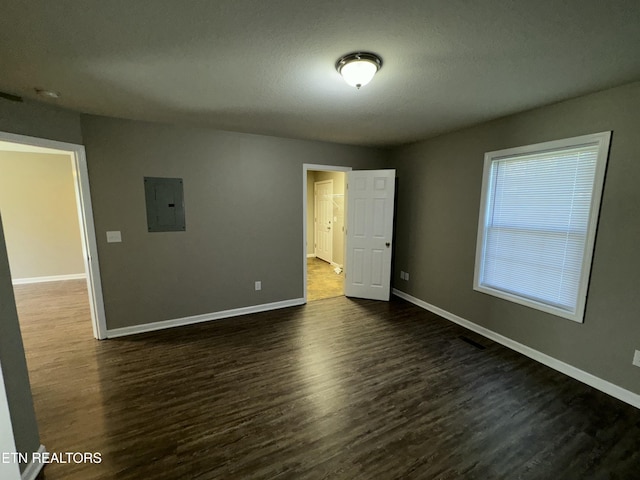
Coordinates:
<point>358,69</point>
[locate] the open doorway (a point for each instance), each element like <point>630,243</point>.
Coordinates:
<point>48,224</point>
<point>324,231</point>
<point>368,208</point>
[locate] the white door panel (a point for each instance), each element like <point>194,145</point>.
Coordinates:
<point>324,220</point>
<point>370,207</point>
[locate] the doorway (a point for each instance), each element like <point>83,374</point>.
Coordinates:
<point>367,243</point>
<point>65,237</point>
<point>324,223</point>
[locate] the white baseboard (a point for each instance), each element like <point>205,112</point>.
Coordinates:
<point>33,469</point>
<point>179,322</point>
<point>334,264</point>
<point>53,278</point>
<point>311,255</point>
<point>598,383</point>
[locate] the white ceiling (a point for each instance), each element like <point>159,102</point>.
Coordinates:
<point>268,66</point>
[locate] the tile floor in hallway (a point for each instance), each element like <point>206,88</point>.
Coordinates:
<point>322,280</point>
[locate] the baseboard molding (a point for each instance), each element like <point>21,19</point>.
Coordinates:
<point>179,322</point>
<point>333,264</point>
<point>33,469</point>
<point>596,382</point>
<point>53,278</point>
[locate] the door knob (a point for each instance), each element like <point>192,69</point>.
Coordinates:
<point>387,244</point>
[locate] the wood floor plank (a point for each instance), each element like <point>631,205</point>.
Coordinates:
<point>335,389</point>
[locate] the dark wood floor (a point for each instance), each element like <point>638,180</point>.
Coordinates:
<point>336,389</point>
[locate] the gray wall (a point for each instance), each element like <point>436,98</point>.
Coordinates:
<point>244,217</point>
<point>40,120</point>
<point>438,204</point>
<point>14,365</point>
<point>35,120</point>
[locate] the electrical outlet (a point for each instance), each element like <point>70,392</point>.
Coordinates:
<point>258,285</point>
<point>636,358</point>
<point>401,275</point>
<point>406,276</point>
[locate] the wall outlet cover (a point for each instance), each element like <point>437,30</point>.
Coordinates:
<point>636,358</point>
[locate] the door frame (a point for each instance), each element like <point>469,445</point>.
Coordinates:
<point>306,167</point>
<point>85,216</point>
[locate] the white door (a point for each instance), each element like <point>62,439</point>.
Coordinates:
<point>370,207</point>
<point>324,220</point>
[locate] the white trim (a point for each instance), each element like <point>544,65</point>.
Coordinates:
<point>85,214</point>
<point>8,470</point>
<point>306,167</point>
<point>89,245</point>
<point>34,468</point>
<point>598,383</point>
<point>206,317</point>
<point>333,264</point>
<point>52,278</point>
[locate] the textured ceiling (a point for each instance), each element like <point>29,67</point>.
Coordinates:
<point>268,66</point>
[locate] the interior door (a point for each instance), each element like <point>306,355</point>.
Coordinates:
<point>370,208</point>
<point>324,220</point>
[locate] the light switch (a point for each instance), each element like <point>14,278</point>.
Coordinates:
<point>114,237</point>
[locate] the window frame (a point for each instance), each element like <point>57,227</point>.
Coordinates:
<point>602,140</point>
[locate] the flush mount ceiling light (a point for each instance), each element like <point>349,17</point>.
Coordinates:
<point>358,68</point>
<point>47,93</point>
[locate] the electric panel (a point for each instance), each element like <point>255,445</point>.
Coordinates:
<point>165,204</point>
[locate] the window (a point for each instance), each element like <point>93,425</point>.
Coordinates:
<point>538,216</point>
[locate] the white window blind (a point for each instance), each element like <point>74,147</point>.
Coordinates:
<point>537,224</point>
